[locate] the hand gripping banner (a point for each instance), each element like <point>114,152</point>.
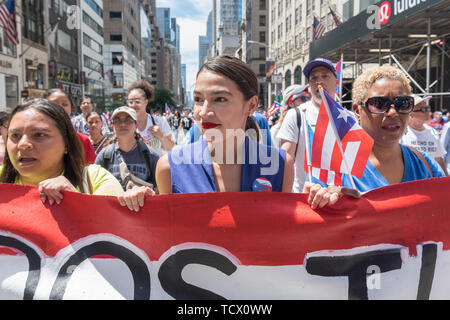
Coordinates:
<point>391,244</point>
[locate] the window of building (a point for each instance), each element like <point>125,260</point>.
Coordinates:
<point>117,58</point>
<point>287,79</point>
<point>91,43</point>
<point>92,24</point>
<point>115,15</point>
<point>118,81</point>
<point>262,21</point>
<point>33,20</point>
<point>94,6</point>
<point>64,40</point>
<point>262,4</point>
<point>262,36</point>
<point>115,36</point>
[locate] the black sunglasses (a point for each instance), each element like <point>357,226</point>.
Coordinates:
<point>380,105</point>
<point>423,109</point>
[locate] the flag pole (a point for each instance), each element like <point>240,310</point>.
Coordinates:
<point>307,145</point>
<point>333,125</point>
<point>341,77</point>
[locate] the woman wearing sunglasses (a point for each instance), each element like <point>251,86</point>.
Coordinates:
<point>382,103</point>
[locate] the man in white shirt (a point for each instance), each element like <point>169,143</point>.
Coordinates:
<point>445,139</point>
<point>421,136</point>
<point>318,72</point>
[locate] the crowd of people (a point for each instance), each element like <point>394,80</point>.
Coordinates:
<point>226,143</point>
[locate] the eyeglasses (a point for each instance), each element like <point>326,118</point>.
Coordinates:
<point>423,109</point>
<point>380,105</point>
<point>126,121</point>
<point>131,102</point>
<point>303,99</point>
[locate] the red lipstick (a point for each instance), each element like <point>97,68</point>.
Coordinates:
<point>209,125</point>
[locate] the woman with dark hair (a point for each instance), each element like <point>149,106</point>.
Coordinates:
<point>99,139</point>
<point>129,158</point>
<point>225,159</point>
<point>64,100</point>
<point>154,129</point>
<point>43,150</point>
<point>4,120</point>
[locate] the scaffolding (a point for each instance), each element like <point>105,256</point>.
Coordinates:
<point>416,42</point>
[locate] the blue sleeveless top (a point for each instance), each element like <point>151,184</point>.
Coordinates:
<point>191,169</point>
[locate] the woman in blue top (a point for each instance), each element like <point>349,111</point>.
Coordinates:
<point>225,159</point>
<point>382,103</point>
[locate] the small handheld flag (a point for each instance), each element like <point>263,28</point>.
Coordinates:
<point>168,109</point>
<point>339,145</point>
<point>274,108</point>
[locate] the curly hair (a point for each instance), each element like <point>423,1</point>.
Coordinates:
<point>363,83</point>
<point>145,87</point>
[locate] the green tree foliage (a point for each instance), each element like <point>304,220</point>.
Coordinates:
<point>162,96</point>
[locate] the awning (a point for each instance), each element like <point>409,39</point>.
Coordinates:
<point>359,37</point>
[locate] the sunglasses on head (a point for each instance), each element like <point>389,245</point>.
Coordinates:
<point>380,105</point>
<point>423,109</point>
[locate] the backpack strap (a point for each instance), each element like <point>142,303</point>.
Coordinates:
<point>299,125</point>
<point>107,155</point>
<point>421,157</point>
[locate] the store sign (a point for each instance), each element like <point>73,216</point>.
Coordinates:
<point>277,78</point>
<point>5,64</point>
<point>386,11</point>
<point>76,90</point>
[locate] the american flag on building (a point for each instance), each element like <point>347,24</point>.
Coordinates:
<point>318,29</point>
<point>8,20</point>
<point>337,20</point>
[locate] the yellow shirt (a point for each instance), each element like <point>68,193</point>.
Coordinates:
<point>103,182</point>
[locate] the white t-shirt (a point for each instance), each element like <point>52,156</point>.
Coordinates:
<point>426,141</point>
<point>274,133</point>
<point>149,138</point>
<point>289,132</point>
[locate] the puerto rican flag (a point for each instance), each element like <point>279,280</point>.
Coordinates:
<point>168,109</point>
<point>339,145</point>
<point>274,108</point>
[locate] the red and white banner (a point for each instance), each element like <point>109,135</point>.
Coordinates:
<point>391,244</point>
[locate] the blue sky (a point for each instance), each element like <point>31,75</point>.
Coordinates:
<point>192,16</point>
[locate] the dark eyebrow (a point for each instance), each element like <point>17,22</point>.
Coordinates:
<point>33,130</point>
<point>219,92</point>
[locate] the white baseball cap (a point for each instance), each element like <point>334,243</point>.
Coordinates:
<point>131,112</point>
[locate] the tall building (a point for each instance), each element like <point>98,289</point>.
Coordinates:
<point>225,21</point>
<point>11,82</point>
<point>92,45</point>
<point>164,23</point>
<point>65,59</point>
<point>254,48</point>
<point>156,43</point>
<point>203,46</point>
<point>146,46</point>
<point>122,52</point>
<point>32,50</point>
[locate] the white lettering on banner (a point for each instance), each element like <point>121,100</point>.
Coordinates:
<point>203,271</point>
<point>383,12</point>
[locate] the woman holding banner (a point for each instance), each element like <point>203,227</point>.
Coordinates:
<point>224,159</point>
<point>43,151</point>
<point>382,103</point>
